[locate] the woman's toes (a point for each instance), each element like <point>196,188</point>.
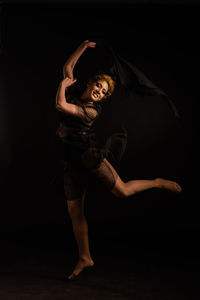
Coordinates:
<point>72,276</point>
<point>168,184</point>
<point>175,187</point>
<point>179,189</point>
<point>81,265</point>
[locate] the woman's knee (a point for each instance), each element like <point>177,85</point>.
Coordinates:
<point>75,209</point>
<point>120,190</point>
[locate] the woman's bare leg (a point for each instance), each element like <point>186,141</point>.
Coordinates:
<point>125,189</point>
<point>80,228</point>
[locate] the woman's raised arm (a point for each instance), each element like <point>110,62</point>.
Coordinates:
<point>72,60</point>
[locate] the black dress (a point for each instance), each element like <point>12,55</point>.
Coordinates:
<point>80,152</point>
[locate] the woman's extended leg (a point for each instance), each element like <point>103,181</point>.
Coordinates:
<point>80,228</point>
<point>125,189</point>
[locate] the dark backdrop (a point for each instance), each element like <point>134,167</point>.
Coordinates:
<point>163,42</point>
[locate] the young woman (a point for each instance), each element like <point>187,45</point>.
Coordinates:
<point>82,156</point>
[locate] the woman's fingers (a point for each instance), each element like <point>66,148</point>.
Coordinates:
<point>92,44</point>
<point>68,81</point>
<point>89,44</point>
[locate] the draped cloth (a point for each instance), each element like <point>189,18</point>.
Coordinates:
<point>131,78</point>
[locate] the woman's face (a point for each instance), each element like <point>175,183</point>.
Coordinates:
<point>96,90</point>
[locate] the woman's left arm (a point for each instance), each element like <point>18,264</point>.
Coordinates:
<point>72,60</point>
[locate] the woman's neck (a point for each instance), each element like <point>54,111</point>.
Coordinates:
<point>86,100</point>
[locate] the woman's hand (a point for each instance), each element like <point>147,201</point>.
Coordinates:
<point>68,82</point>
<point>89,44</point>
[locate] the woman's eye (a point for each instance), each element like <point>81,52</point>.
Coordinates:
<point>98,84</point>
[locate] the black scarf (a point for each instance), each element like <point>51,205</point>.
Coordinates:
<point>132,79</point>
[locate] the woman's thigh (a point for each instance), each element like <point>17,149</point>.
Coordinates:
<point>107,175</point>
<point>75,183</point>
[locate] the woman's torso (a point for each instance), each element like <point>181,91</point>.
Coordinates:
<point>78,130</point>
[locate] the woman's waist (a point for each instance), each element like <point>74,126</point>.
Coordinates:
<point>67,131</point>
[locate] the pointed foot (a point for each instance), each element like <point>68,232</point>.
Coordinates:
<point>81,266</point>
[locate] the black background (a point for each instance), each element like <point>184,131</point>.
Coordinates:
<point>162,40</point>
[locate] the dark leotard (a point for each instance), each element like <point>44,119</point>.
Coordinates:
<point>79,150</point>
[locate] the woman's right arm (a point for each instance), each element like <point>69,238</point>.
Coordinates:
<point>88,114</point>
<point>61,103</point>
<point>72,60</point>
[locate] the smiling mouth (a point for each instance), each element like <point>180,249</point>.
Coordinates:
<point>95,95</point>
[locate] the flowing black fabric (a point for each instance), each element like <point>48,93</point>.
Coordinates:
<point>131,78</point>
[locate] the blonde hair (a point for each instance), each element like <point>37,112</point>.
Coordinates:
<point>108,79</point>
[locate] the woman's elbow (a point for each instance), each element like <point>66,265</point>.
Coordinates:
<point>68,71</point>
<point>58,106</point>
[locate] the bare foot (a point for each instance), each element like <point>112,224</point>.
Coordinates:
<point>168,185</point>
<point>81,265</point>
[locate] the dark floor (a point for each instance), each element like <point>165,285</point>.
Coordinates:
<point>36,267</point>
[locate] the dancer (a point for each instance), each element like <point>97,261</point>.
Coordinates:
<point>81,155</point>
